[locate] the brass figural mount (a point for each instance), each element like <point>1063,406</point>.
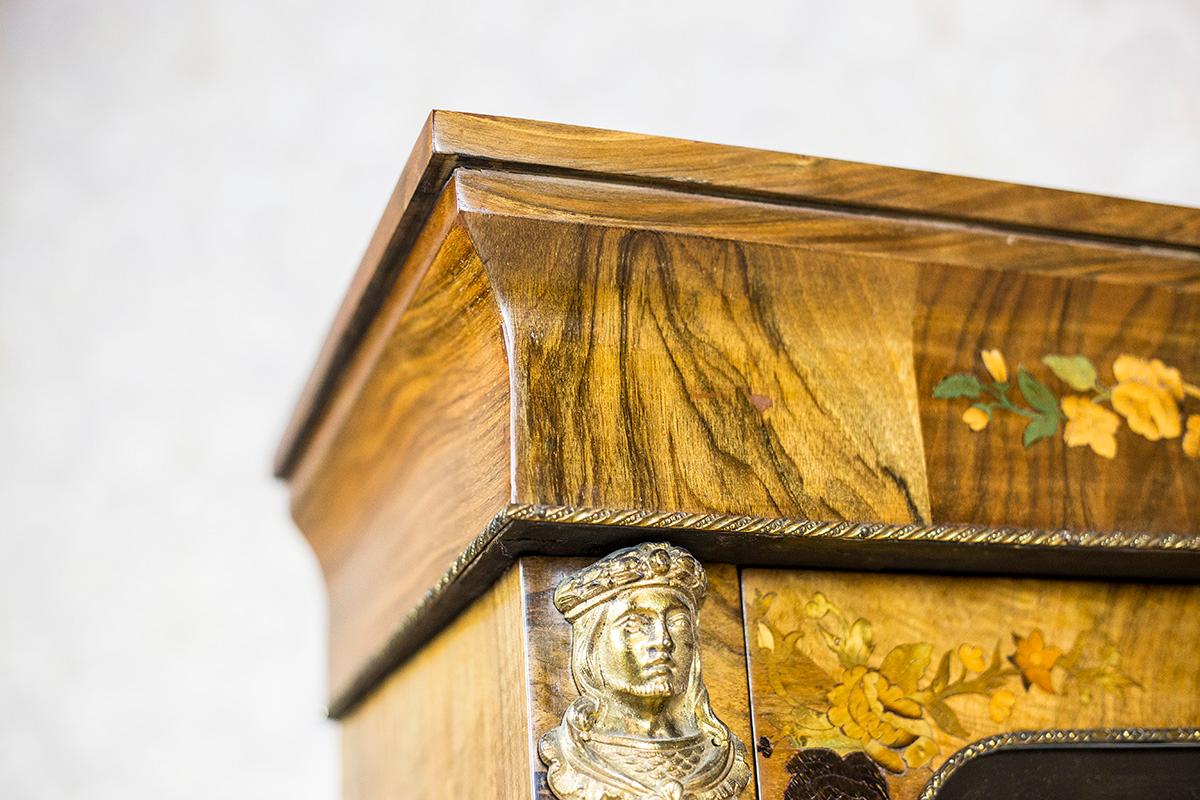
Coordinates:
<point>643,727</point>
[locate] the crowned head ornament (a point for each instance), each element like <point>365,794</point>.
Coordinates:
<point>642,727</point>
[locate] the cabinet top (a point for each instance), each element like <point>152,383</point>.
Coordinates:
<point>561,341</point>
<point>453,140</point>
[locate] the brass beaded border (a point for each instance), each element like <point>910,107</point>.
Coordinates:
<point>852,531</point>
<point>1017,740</point>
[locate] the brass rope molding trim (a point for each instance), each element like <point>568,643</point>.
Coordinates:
<point>1017,740</point>
<point>851,531</point>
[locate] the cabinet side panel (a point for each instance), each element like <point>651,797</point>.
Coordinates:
<point>453,720</point>
<point>414,463</point>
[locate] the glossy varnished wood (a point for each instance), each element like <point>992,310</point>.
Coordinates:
<point>1143,636</point>
<point>567,319</point>
<point>740,171</point>
<point>668,372</point>
<point>453,722</point>
<point>949,242</point>
<point>423,419</point>
<point>450,141</point>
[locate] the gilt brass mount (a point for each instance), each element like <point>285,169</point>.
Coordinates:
<point>643,727</point>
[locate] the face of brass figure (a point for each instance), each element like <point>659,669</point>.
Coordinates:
<point>643,726</point>
<point>649,636</point>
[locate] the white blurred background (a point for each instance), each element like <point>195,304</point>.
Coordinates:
<point>185,189</point>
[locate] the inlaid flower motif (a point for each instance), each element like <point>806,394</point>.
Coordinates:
<point>1151,372</point>
<point>818,606</point>
<point>972,657</point>
<point>1035,660</point>
<point>870,709</point>
<point>1001,704</point>
<point>1090,424</point>
<point>822,773</point>
<point>1150,396</point>
<point>897,710</point>
<point>1147,395</point>
<point>1191,437</point>
<point>1149,410</point>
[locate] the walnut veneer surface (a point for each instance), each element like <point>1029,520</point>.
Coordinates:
<point>560,338</point>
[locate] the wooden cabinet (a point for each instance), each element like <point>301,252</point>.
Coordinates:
<point>934,439</point>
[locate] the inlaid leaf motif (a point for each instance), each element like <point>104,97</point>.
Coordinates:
<point>964,384</point>
<point>1078,372</point>
<point>1040,427</point>
<point>1036,393</point>
<point>946,719</point>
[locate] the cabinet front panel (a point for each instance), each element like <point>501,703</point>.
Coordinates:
<point>879,679</point>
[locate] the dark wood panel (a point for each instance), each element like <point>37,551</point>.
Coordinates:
<point>1113,772</point>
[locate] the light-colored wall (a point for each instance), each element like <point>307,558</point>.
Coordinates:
<point>185,188</point>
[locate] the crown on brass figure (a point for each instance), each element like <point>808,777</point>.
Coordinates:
<point>648,564</point>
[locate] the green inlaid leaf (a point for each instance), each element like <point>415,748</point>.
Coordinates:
<point>1041,427</point>
<point>1037,395</point>
<point>1078,372</point>
<point>941,678</point>
<point>964,384</point>
<point>946,719</point>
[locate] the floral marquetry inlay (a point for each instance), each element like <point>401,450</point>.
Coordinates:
<point>1147,396</point>
<point>903,671</point>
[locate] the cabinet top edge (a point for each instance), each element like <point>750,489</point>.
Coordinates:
<point>449,140</point>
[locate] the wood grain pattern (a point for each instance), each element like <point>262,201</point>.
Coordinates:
<point>836,230</point>
<point>551,688</point>
<point>989,477</point>
<point>641,339</point>
<point>453,721</point>
<point>411,460</point>
<point>739,171</point>
<point>1148,633</point>
<point>450,141</point>
<point>669,372</point>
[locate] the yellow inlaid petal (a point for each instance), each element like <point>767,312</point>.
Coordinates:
<point>1090,425</point>
<point>1191,439</point>
<point>996,366</point>
<point>976,418</point>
